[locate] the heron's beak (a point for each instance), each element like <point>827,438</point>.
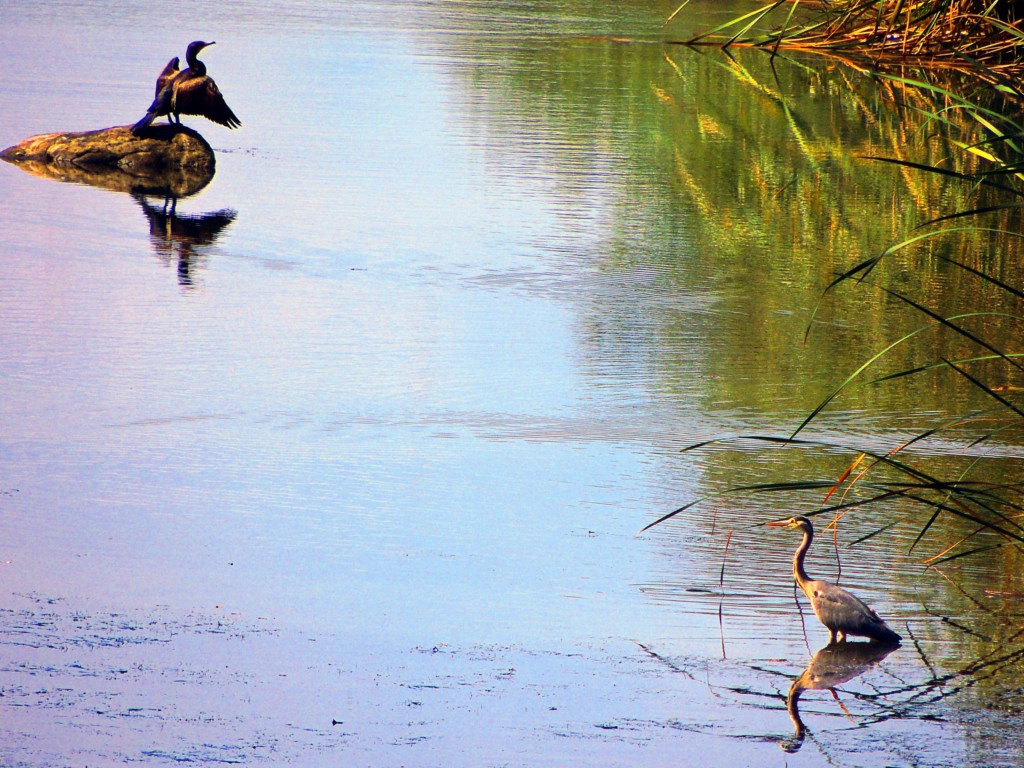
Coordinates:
<point>778,523</point>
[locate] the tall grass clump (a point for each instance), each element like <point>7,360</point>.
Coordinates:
<point>986,333</point>
<point>964,468</point>
<point>981,36</point>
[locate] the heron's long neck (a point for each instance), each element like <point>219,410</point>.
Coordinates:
<point>799,574</point>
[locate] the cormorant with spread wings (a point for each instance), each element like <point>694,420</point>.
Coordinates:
<point>190,92</point>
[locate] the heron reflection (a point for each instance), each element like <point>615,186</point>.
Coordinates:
<point>182,236</point>
<point>833,665</point>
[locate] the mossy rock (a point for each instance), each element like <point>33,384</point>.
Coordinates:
<point>165,158</point>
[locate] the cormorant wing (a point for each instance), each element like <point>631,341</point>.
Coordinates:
<point>166,75</point>
<point>201,96</point>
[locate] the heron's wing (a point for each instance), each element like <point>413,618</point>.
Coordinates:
<point>836,607</point>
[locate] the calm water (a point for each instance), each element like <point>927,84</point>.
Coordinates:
<point>367,435</point>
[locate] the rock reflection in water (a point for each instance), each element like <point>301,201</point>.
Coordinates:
<point>833,665</point>
<point>59,157</point>
<point>178,236</point>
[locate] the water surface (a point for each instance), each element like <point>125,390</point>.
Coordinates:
<point>373,446</point>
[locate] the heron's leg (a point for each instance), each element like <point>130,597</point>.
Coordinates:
<point>831,636</point>
<point>842,637</point>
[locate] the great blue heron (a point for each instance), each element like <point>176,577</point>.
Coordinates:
<point>842,613</point>
<point>190,92</point>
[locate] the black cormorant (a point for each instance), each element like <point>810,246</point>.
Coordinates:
<point>190,91</point>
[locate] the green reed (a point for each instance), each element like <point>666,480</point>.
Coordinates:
<point>977,345</point>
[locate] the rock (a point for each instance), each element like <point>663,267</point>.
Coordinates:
<point>170,159</point>
<point>158,148</point>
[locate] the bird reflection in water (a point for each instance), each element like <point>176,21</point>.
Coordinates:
<point>832,666</point>
<point>178,236</point>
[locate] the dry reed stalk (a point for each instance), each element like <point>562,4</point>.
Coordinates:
<point>985,39</point>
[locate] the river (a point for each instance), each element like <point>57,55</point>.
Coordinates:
<point>342,460</point>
